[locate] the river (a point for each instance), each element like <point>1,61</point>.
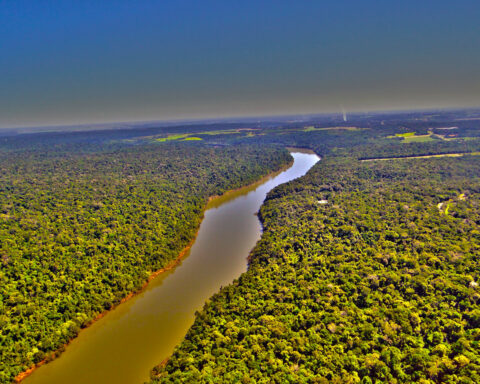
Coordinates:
<point>124,345</point>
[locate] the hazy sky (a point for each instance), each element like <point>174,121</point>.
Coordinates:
<point>65,62</point>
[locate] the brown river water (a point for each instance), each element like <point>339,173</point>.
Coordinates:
<point>124,345</point>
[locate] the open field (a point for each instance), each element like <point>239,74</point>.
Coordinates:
<point>412,137</point>
<point>312,128</point>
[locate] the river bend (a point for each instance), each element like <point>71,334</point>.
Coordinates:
<point>123,346</point>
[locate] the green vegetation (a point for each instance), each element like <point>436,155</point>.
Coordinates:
<point>220,132</point>
<point>79,232</point>
<point>187,137</point>
<point>447,209</point>
<point>339,128</point>
<point>406,134</point>
<point>418,139</point>
<point>375,286</point>
<point>172,137</point>
<point>380,284</point>
<point>411,137</point>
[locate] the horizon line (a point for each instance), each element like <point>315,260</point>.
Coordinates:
<point>213,119</point>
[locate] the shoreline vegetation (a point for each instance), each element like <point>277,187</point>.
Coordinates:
<point>56,354</point>
<point>212,202</point>
<point>217,200</point>
<point>302,150</point>
<point>392,223</point>
<point>375,286</point>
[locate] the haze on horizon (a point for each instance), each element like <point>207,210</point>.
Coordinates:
<point>76,62</point>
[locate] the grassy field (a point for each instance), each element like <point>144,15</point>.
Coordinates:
<point>187,137</point>
<point>312,128</point>
<point>405,135</point>
<point>411,137</point>
<point>418,139</point>
<point>172,137</point>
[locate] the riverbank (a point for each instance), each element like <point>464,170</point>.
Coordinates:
<point>153,275</point>
<point>243,208</point>
<point>217,200</point>
<point>305,150</point>
<point>212,200</point>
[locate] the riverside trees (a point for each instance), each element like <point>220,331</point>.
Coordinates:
<point>379,285</point>
<point>81,230</point>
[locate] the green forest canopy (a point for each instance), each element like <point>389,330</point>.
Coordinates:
<point>79,232</point>
<point>380,284</point>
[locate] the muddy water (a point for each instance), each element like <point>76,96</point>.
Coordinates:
<point>124,345</point>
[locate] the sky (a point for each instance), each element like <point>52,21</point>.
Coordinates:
<point>77,62</point>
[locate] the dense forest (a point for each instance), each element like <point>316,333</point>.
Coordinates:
<point>367,272</point>
<point>378,285</point>
<point>81,230</point>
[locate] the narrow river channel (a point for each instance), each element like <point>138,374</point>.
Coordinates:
<point>124,345</point>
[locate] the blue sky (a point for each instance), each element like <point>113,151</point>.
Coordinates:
<point>71,62</point>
